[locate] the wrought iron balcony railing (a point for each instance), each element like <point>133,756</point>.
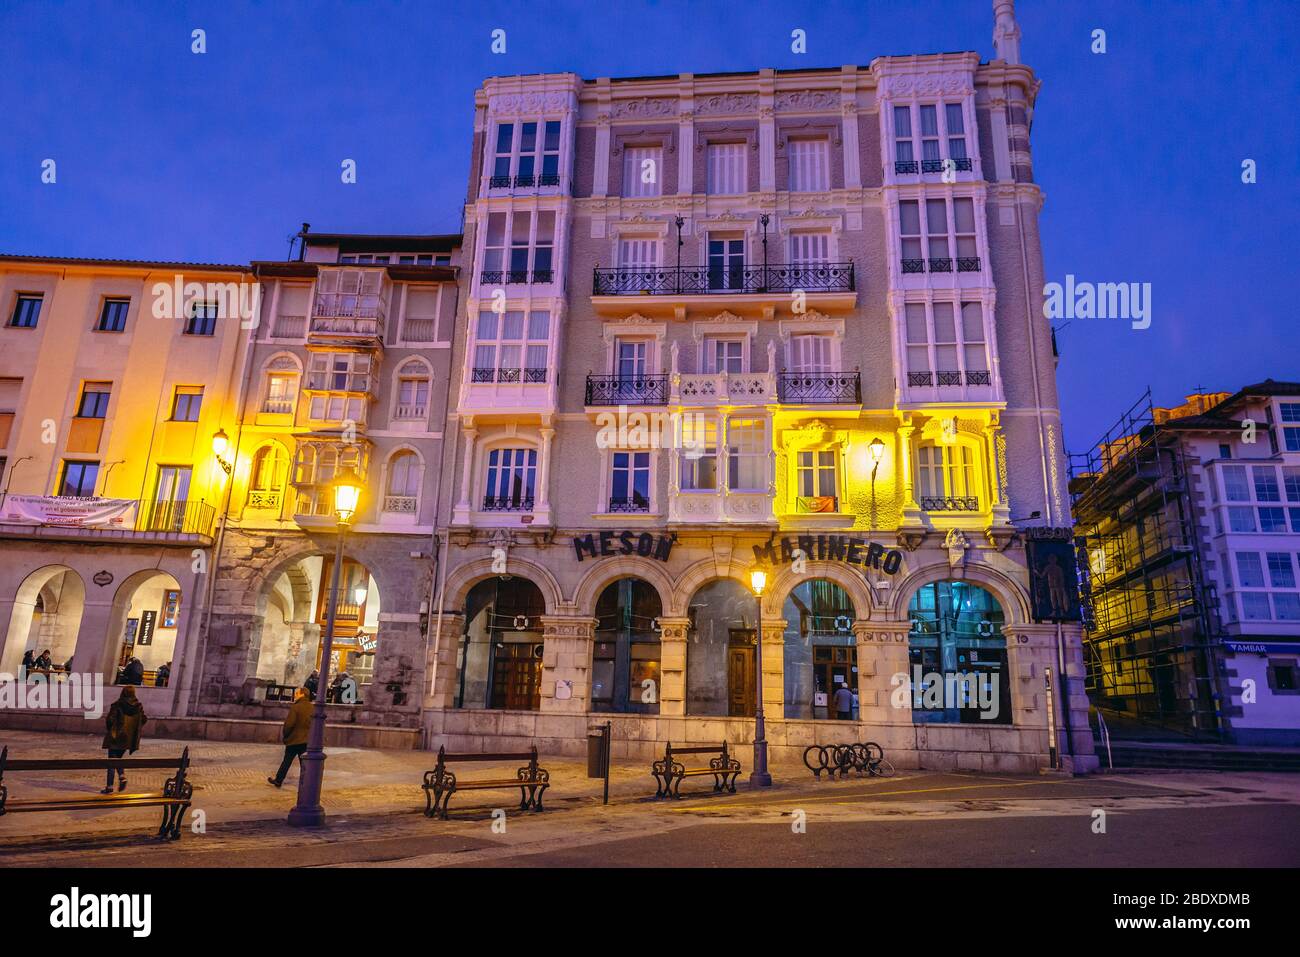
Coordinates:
<point>704,280</point>
<point>498,182</point>
<point>905,166</point>
<point>979,378</point>
<point>968,264</point>
<point>627,390</point>
<point>637,503</point>
<point>913,265</point>
<point>832,388</point>
<point>949,378</point>
<point>548,179</point>
<point>940,265</point>
<point>527,376</point>
<point>507,503</point>
<point>496,277</point>
<point>184,517</point>
<point>950,503</point>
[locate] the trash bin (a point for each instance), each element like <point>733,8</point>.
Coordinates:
<point>597,744</point>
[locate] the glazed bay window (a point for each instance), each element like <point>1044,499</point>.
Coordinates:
<point>816,472</point>
<point>727,173</point>
<point>510,263</point>
<point>949,236</point>
<point>945,345</point>
<point>942,136</point>
<point>643,171</point>
<point>531,150</point>
<point>697,459</point>
<point>629,487</point>
<point>748,455</point>
<point>511,478</point>
<point>1291,433</point>
<point>511,347</point>
<point>339,372</point>
<point>810,165</point>
<point>946,478</point>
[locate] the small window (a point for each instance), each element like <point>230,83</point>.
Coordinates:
<point>27,310</point>
<point>186,403</point>
<point>809,165</point>
<point>1225,451</point>
<point>112,315</point>
<point>727,175</point>
<point>78,478</point>
<point>94,400</point>
<point>202,320</point>
<point>643,171</point>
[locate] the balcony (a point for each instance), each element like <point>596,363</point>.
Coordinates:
<point>97,519</point>
<point>942,265</point>
<point>526,376</point>
<point>347,316</point>
<point>637,504</point>
<point>265,499</point>
<point>500,277</point>
<point>961,164</point>
<point>927,379</point>
<point>949,503</point>
<point>821,388</point>
<point>713,280</point>
<point>507,503</point>
<point>400,504</point>
<point>721,507</point>
<point>627,390</point>
<point>723,388</point>
<point>289,327</point>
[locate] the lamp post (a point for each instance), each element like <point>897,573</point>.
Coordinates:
<point>759,778</point>
<point>764,219</point>
<point>877,447</point>
<point>679,223</point>
<point>220,443</point>
<point>308,811</point>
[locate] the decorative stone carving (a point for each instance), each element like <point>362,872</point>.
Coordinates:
<point>927,84</point>
<point>514,104</point>
<point>956,544</point>
<point>805,100</point>
<point>727,103</point>
<point>912,537</point>
<point>645,107</point>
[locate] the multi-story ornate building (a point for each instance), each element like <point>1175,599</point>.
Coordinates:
<point>792,316</point>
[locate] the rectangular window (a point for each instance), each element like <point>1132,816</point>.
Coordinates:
<point>810,167</point>
<point>643,171</point>
<point>550,155</point>
<point>509,349</point>
<point>635,252</point>
<point>186,403</point>
<point>1272,519</point>
<point>630,358</point>
<point>511,476</point>
<point>936,227</point>
<point>27,311</point>
<point>1254,606</point>
<point>1241,519</point>
<point>945,343</point>
<point>527,155</point>
<point>504,153</point>
<point>726,169</point>
<point>726,263</point>
<point>1286,607</point>
<point>810,353</point>
<point>946,473</point>
<point>520,228</point>
<point>903,135</point>
<point>810,249</point>
<point>339,372</point>
<point>494,249</point>
<point>1266,487</point>
<point>816,474</point>
<point>112,315</point>
<point>956,131</point>
<point>909,229</point>
<point>698,456</point>
<point>1280,572</point>
<point>747,455</point>
<point>78,478</point>
<point>972,335</point>
<point>918,345</point>
<point>629,489</point>
<point>724,355</point>
<point>94,400</point>
<point>1250,573</point>
<point>202,320</point>
<point>929,135</point>
<point>1291,480</point>
<point>1235,487</point>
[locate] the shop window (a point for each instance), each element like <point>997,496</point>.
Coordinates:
<point>499,663</point>
<point>958,655</point>
<point>820,651</point>
<point>625,659</point>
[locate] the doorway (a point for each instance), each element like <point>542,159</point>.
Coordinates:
<point>740,673</point>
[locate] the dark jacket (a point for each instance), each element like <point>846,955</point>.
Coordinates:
<point>133,673</point>
<point>124,721</point>
<point>298,724</point>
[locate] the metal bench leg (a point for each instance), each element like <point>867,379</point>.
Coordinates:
<point>526,796</point>
<point>677,788</point>
<point>537,802</point>
<point>428,802</point>
<point>659,784</point>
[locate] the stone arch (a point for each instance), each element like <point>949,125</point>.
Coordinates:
<point>787,580</point>
<point>464,577</point>
<point>698,575</point>
<point>123,599</point>
<point>300,588</point>
<point>22,617</point>
<point>625,566</point>
<point>259,586</point>
<point>1009,593</point>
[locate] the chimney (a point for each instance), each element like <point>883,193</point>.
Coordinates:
<point>1006,32</point>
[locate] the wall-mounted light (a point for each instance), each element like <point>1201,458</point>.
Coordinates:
<point>359,593</point>
<point>220,443</point>
<point>877,447</point>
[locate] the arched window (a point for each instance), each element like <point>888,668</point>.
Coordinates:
<point>266,478</point>
<point>403,488</point>
<point>280,385</point>
<point>413,384</point>
<point>958,655</point>
<point>625,659</point>
<point>500,660</point>
<point>947,479</point>
<point>820,651</point>
<point>721,650</point>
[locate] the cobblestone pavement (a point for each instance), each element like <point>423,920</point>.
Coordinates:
<point>375,807</point>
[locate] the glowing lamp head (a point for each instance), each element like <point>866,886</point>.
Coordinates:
<point>347,493</point>
<point>359,594</point>
<point>220,442</point>
<point>877,447</point>
<point>757,580</point>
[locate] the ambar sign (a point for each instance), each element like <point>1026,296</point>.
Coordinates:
<point>600,544</point>
<point>831,548</point>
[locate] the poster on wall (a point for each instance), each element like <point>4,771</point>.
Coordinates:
<point>68,511</point>
<point>148,619</point>
<point>171,608</point>
<point>1053,574</point>
<point>132,626</point>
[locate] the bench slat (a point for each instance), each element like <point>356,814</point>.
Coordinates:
<point>90,802</point>
<point>697,750</point>
<point>88,764</point>
<point>458,758</point>
<point>479,785</point>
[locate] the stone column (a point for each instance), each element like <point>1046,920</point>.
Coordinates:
<point>542,505</point>
<point>566,657</point>
<point>463,506</point>
<point>774,669</point>
<point>882,654</point>
<point>998,480</point>
<point>911,508</point>
<point>1031,650</point>
<point>849,136</point>
<point>440,663</point>
<point>672,665</point>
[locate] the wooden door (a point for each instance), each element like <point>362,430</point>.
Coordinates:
<point>517,678</point>
<point>740,680</point>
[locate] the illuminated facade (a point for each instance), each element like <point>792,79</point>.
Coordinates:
<point>787,316</point>
<point>114,378</point>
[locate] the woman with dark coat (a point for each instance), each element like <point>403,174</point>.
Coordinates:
<point>124,721</point>
<point>29,661</point>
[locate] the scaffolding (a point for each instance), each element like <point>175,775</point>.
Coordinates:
<point>1150,626</point>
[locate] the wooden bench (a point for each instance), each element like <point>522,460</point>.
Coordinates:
<point>441,783</point>
<point>669,772</point>
<point>174,798</point>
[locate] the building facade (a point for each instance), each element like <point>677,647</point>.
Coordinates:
<point>791,317</point>
<point>115,376</point>
<point>1189,521</point>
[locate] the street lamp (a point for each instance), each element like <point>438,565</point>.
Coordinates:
<point>221,442</point>
<point>877,449</point>
<point>308,811</point>
<point>759,777</point>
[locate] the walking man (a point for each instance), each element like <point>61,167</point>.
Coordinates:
<point>296,727</point>
<point>843,702</point>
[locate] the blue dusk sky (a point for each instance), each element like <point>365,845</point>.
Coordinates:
<point>165,154</point>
